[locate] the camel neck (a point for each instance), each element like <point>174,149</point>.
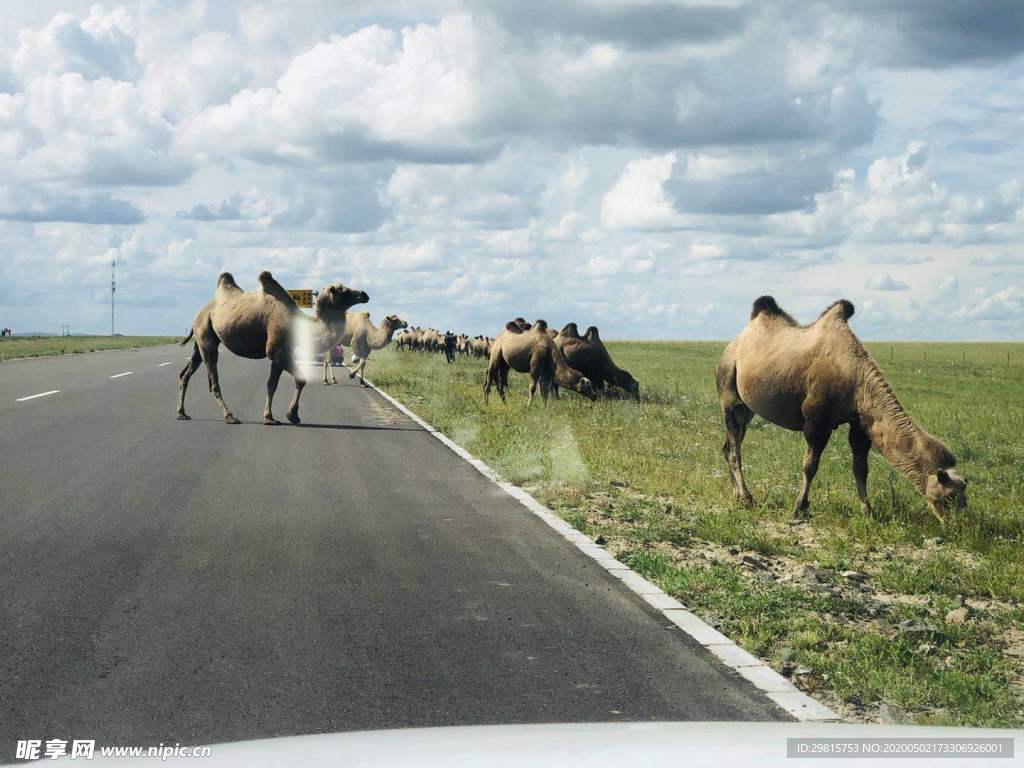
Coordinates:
<point>904,445</point>
<point>379,337</point>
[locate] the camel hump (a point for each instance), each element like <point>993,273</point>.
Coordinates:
<point>271,287</point>
<point>592,334</point>
<point>512,327</point>
<point>227,282</point>
<point>540,326</point>
<point>767,305</point>
<point>571,330</point>
<point>843,309</point>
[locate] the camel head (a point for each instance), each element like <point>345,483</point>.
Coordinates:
<point>586,388</point>
<point>338,298</point>
<point>945,489</point>
<point>395,323</point>
<point>627,382</point>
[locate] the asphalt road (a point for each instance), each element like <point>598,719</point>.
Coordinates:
<point>194,582</point>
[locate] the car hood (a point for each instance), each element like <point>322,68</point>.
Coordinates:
<point>563,745</point>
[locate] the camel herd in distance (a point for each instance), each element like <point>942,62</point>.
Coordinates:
<point>811,378</point>
<point>448,344</point>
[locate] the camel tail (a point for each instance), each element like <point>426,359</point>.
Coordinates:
<point>186,339</point>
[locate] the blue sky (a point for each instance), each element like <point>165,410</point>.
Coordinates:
<point>648,167</point>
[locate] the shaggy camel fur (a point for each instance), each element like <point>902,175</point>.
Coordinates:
<point>813,379</point>
<point>588,355</point>
<point>532,351</point>
<point>259,324</point>
<point>361,335</point>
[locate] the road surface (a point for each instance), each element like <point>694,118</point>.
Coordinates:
<point>194,582</point>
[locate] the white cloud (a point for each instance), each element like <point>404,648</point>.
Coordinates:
<point>638,199</point>
<point>1001,306</point>
<point>461,160</point>
<point>101,45</point>
<point>885,282</point>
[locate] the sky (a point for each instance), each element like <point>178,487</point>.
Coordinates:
<point>647,167</point>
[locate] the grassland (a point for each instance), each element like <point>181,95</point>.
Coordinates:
<point>887,617</point>
<point>12,347</point>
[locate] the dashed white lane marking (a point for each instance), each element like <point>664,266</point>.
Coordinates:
<point>781,691</point>
<point>119,375</point>
<point>33,397</point>
<point>162,365</point>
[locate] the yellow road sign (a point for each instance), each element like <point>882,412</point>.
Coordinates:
<point>301,296</point>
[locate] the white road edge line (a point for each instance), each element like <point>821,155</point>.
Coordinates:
<point>33,397</point>
<point>119,375</point>
<point>781,691</point>
<point>163,364</point>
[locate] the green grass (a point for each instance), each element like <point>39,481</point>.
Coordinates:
<point>12,347</point>
<point>650,478</point>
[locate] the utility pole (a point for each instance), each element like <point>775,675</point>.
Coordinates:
<point>113,288</point>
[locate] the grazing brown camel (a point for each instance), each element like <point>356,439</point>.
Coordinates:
<point>813,379</point>
<point>588,355</point>
<point>361,335</point>
<point>259,324</point>
<point>532,351</point>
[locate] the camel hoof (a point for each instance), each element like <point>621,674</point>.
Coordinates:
<point>230,419</point>
<point>351,375</point>
<point>271,422</point>
<point>182,416</point>
<point>294,418</point>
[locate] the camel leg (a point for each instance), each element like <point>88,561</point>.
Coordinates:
<point>327,367</point>
<point>817,436</point>
<point>275,377</point>
<point>533,391</point>
<point>210,358</point>
<point>186,373</point>
<point>860,445</point>
<point>362,365</point>
<point>494,377</point>
<point>938,516</point>
<point>737,417</point>
<point>502,381</point>
<point>300,382</point>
